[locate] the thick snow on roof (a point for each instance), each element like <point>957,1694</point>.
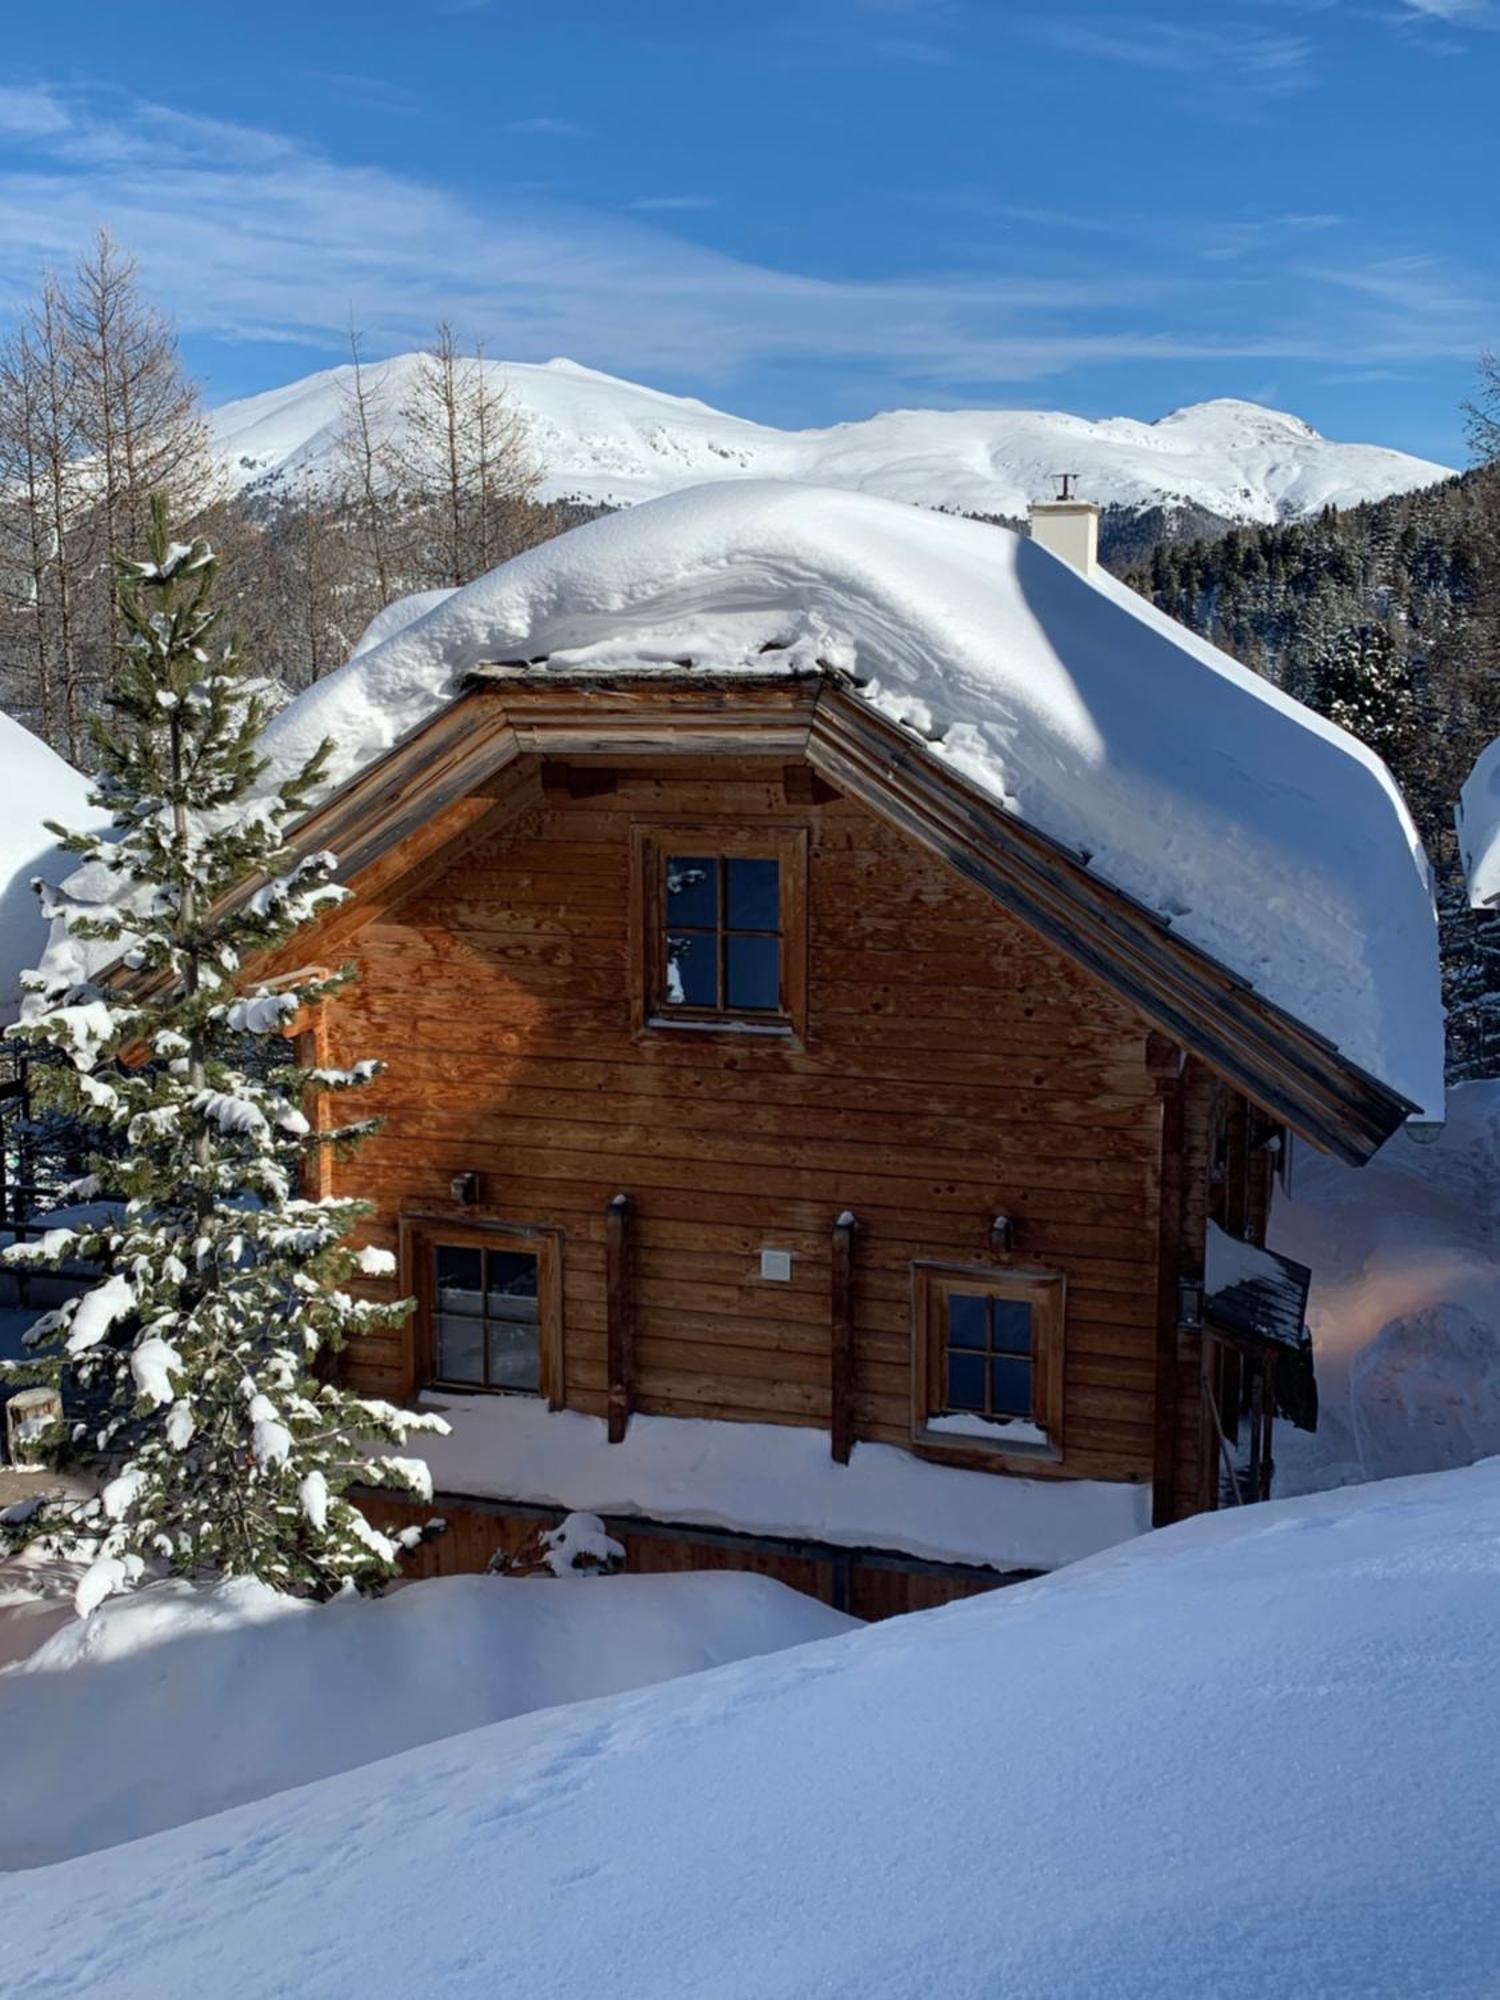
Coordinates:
<point>35,785</point>
<point>1478,819</point>
<point>1254,1754</point>
<point>772,1479</point>
<point>1268,837</point>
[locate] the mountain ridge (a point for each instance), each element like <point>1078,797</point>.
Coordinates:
<point>604,441</point>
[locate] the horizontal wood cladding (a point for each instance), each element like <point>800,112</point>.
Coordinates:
<point>955,1066</point>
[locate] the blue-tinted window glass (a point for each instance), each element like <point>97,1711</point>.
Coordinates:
<point>1012,1323</point>
<point>753,965</point>
<point>693,890</point>
<point>459,1285</point>
<point>515,1356</point>
<point>1010,1388</point>
<point>460,1350</point>
<point>968,1320</point>
<point>510,1285</point>
<point>692,970</point>
<point>754,896</point>
<point>965,1382</point>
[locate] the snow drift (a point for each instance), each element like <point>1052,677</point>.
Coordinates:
<point>174,1702</point>
<point>1265,835</point>
<point>1253,1754</point>
<point>600,439</point>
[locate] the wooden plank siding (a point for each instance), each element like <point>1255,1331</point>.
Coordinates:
<point>956,1066</point>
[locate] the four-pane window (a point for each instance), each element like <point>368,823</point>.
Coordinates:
<point>487,1317</point>
<point>987,1366</point>
<point>721,917</point>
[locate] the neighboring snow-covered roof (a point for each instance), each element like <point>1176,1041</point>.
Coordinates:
<point>1478,822</point>
<point>35,785</point>
<point>1268,837</point>
<point>772,1479</point>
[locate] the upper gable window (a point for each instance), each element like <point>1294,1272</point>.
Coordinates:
<point>720,927</point>
<point>721,933</point>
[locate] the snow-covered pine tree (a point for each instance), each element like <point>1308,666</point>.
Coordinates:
<point>194,1366</point>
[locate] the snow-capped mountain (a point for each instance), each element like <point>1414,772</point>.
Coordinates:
<point>600,439</point>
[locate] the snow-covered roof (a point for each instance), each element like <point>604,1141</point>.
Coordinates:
<point>1478,821</point>
<point>1269,838</point>
<point>37,786</point>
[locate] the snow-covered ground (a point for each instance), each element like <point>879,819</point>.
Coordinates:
<point>1254,1754</point>
<point>1405,1302</point>
<point>598,438</point>
<point>174,1703</point>
<point>35,786</point>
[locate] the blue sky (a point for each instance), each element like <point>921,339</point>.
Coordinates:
<point>800,209</point>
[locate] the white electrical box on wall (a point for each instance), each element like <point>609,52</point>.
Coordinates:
<point>777,1265</point>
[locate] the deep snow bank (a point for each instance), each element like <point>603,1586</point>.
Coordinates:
<point>174,1703</point>
<point>1405,1302</point>
<point>1264,834</point>
<point>1253,1755</point>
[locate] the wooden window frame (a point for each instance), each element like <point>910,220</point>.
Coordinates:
<point>651,843</point>
<point>1045,1291</point>
<point>420,1235</point>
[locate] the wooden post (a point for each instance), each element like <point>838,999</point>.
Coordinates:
<point>618,1313</point>
<point>1164,1062</point>
<point>841,1349</point>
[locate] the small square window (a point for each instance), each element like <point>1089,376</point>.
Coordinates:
<point>489,1305</point>
<point>987,1365</point>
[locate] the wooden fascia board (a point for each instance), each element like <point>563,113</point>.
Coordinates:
<point>649,714</point>
<point>1288,1070</point>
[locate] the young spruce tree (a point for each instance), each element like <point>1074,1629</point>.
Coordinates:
<point>192,1368</point>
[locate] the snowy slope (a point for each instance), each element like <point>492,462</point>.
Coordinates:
<point>141,1691</point>
<point>1266,835</point>
<point>35,785</point>
<point>1252,1755</point>
<point>601,439</point>
<point>1405,1303</point>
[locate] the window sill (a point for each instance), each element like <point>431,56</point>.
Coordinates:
<point>992,1454</point>
<point>780,1033</point>
<point>476,1389</point>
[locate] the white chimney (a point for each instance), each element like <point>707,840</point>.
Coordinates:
<point>1069,527</point>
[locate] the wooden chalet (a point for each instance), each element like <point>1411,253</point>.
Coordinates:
<point>747,1065</point>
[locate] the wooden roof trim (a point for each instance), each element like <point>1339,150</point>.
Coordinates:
<point>407,807</point>
<point>1290,1070</point>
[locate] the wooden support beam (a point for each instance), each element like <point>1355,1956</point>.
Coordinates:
<point>841,1345</point>
<point>618,1310</point>
<point>803,786</point>
<point>577,781</point>
<point>1161,1059</point>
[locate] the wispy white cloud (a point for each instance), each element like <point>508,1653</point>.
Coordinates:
<point>1252,59</point>
<point>669,204</point>
<point>249,234</point>
<point>546,128</point>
